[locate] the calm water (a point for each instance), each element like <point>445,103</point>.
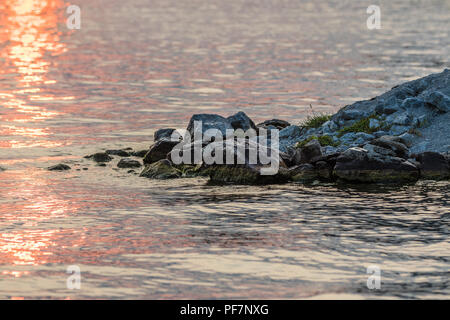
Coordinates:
<point>139,65</point>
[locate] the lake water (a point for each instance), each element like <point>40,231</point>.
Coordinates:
<point>139,65</point>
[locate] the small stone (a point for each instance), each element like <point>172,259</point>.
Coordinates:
<point>433,166</point>
<point>374,123</point>
<point>120,153</point>
<point>128,163</point>
<point>100,157</point>
<point>161,169</point>
<point>59,167</point>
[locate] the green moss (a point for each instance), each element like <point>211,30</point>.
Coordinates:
<point>363,125</point>
<point>315,121</point>
<point>323,140</point>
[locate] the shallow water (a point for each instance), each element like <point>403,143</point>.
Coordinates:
<point>137,66</point>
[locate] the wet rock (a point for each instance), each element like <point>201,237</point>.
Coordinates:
<point>243,170</point>
<point>241,121</point>
<point>162,169</point>
<point>100,157</point>
<point>392,143</point>
<point>433,166</point>
<point>58,167</point>
<point>128,163</point>
<point>120,153</point>
<point>274,123</point>
<point>159,150</point>
<point>303,173</point>
<point>139,154</point>
<point>209,121</point>
<point>164,133</point>
<point>311,150</point>
<point>323,169</point>
<point>358,165</point>
<point>2,169</point>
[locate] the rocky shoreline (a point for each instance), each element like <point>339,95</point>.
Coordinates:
<point>400,136</point>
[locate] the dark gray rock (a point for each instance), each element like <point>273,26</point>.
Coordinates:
<point>289,136</point>
<point>274,124</point>
<point>139,154</point>
<point>303,173</point>
<point>209,121</point>
<point>433,166</point>
<point>358,165</point>
<point>164,133</point>
<point>120,153</point>
<point>100,157</point>
<point>392,143</point>
<point>241,121</point>
<point>128,163</point>
<point>159,151</point>
<point>311,150</point>
<point>59,167</point>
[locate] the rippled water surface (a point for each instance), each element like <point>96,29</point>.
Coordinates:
<point>138,65</point>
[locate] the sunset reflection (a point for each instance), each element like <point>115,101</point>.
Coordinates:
<point>29,37</point>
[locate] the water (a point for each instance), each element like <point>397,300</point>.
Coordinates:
<point>139,65</point>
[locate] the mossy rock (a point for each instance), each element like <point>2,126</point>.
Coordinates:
<point>162,169</point>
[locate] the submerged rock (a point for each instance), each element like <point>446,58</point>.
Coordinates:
<point>100,157</point>
<point>59,167</point>
<point>128,163</point>
<point>120,153</point>
<point>139,154</point>
<point>162,169</point>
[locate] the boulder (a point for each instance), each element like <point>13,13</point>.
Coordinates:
<point>128,163</point>
<point>241,121</point>
<point>433,166</point>
<point>209,121</point>
<point>139,154</point>
<point>159,150</point>
<point>311,150</point>
<point>289,136</point>
<point>274,124</point>
<point>358,165</point>
<point>164,133</point>
<point>162,169</point>
<point>242,170</point>
<point>58,167</point>
<point>392,143</point>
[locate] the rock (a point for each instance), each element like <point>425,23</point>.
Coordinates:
<point>241,121</point>
<point>120,153</point>
<point>164,133</point>
<point>323,169</point>
<point>159,150</point>
<point>402,119</point>
<point>303,173</point>
<point>374,123</point>
<point>274,123</point>
<point>289,136</point>
<point>379,150</point>
<point>433,166</point>
<point>162,169</point>
<point>329,127</point>
<point>2,169</point>
<point>392,143</point>
<point>358,165</point>
<point>139,154</point>
<point>398,130</point>
<point>407,139</point>
<point>209,121</point>
<point>329,150</point>
<point>438,99</point>
<point>128,163</point>
<point>58,167</point>
<point>311,150</point>
<point>243,171</point>
<point>100,157</point>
